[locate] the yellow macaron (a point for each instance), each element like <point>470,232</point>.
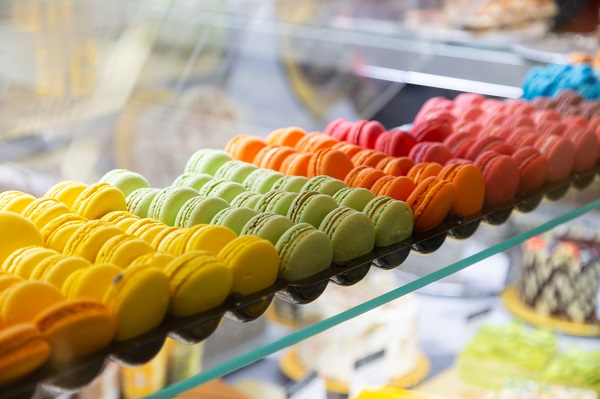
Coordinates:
<point>57,233</point>
<point>57,268</point>
<point>91,282</point>
<point>121,219</point>
<point>171,242</point>
<point>209,238</point>
<point>44,210</point>
<point>23,261</point>
<point>99,199</point>
<point>154,259</point>
<point>22,302</point>
<point>123,249</point>
<point>15,201</point>
<point>66,192</point>
<point>89,239</point>
<point>16,232</point>
<point>146,229</point>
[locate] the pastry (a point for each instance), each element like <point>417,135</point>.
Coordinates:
<point>198,281</point>
<point>209,238</point>
<point>121,219</point>
<point>587,149</point>
<point>262,180</point>
<point>235,171</point>
<point>99,199</point>
<point>15,201</point>
<point>16,232</point>
<point>269,226</point>
<point>368,157</point>
<point>23,260</point>
<point>498,168</point>
<point>426,151</point>
<point>123,249</point>
<point>560,152</point>
<point>66,192</point>
<point>90,282</point>
<point>139,201</point>
<point>431,201</point>
<point>249,199</point>
<point>324,185</point>
<point>272,157</point>
<point>224,189</point>
<point>311,207</point>
<point>125,180</point>
<point>288,136</point>
<point>395,143</point>
<point>365,133</point>
<point>164,234</point>
<point>244,147</point>
<point>396,187</point>
<point>207,161</point>
<point>57,233</point>
<point>534,168</point>
<point>22,350</point>
<point>347,148</point>
<point>199,210</point>
<point>395,166</point>
<point>56,269</point>
<point>469,188</point>
<point>146,229</point>
<point>89,238</point>
<point>171,243</point>
<point>329,162</point>
<point>196,180</point>
<point>44,210</point>
<point>234,218</point>
<point>293,184</point>
<point>253,261</point>
<point>431,130</point>
<point>168,203</point>
<point>24,301</point>
<point>351,232</point>
<point>314,142</point>
<point>276,201</point>
<point>303,252</point>
<point>392,220</point>
<point>355,198</point>
<point>363,177</point>
<point>154,259</point>
<point>422,171</point>
<point>296,164</point>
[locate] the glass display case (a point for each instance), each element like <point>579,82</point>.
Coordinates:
<point>89,86</point>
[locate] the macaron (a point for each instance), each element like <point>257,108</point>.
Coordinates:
<point>249,199</point>
<point>501,176</point>
<point>560,152</point>
<point>198,282</point>
<point>244,147</point>
<point>66,192</point>
<point>146,229</point>
<point>262,180</point>
<point>168,202</point>
<point>272,157</point>
<point>303,251</point>
<point>334,124</point>
<point>392,220</point>
<point>253,261</point>
<point>172,242</point>
<point>431,202</point>
<point>123,249</point>
<point>276,201</point>
<point>22,351</point>
<point>15,201</point>
<point>431,130</point>
<point>266,225</point>
<point>587,148</point>
<point>234,218</point>
<point>121,219</point>
<point>57,268</point>
<point>199,210</point>
<point>315,141</point>
<point>224,189</point>
<point>292,184</point>
<point>44,210</point>
<point>311,207</point>
<point>207,161</point>
<point>163,235</point>
<point>489,143</point>
<point>89,239</point>
<point>329,162</point>
<point>396,187</point>
<point>368,158</point>
<point>363,176</point>
<point>194,180</point>
<point>426,151</point>
<point>351,233</point>
<point>355,198</point>
<point>395,166</point>
<point>125,180</point>
<point>138,298</point>
<point>57,233</point>
<point>16,232</point>
<point>235,171</point>
<point>7,280</point>
<point>395,143</point>
<point>339,129</point>
<point>99,199</point>
<point>347,148</point>
<point>75,329</point>
<point>23,302</point>
<point>460,143</point>
<point>324,184</point>
<point>422,171</point>
<point>154,259</point>
<point>23,261</point>
<point>469,188</point>
<point>296,164</point>
<point>534,168</point>
<point>209,238</point>
<point>139,201</point>
<point>90,282</point>
<point>365,133</point>
<point>288,136</point>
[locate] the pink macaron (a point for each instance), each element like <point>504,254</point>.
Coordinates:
<point>431,130</point>
<point>587,149</point>
<point>501,176</point>
<point>489,143</point>
<point>469,99</point>
<point>364,133</point>
<point>561,154</point>
<point>395,143</point>
<point>428,151</point>
<point>459,144</point>
<point>514,121</point>
<point>534,168</point>
<point>472,128</point>
<point>546,115</point>
<point>556,128</point>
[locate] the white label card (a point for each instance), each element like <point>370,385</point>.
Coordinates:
<point>370,371</point>
<point>311,387</point>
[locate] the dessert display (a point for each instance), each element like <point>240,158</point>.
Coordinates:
<point>560,274</point>
<point>549,80</point>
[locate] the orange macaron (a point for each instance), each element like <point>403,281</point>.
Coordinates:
<point>469,187</point>
<point>329,162</point>
<point>347,148</point>
<point>244,147</point>
<point>315,141</point>
<point>271,157</point>
<point>431,202</point>
<point>363,177</point>
<point>287,136</point>
<point>296,164</point>
<point>396,187</point>
<point>368,157</point>
<point>422,171</point>
<point>395,166</point>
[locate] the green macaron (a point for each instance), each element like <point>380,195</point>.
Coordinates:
<point>125,180</point>
<point>247,199</point>
<point>234,218</point>
<point>139,201</point>
<point>166,205</point>
<point>351,232</point>
<point>355,198</point>
<point>303,252</point>
<point>199,210</point>
<point>311,207</point>
<point>392,219</point>
<point>292,184</point>
<point>207,161</point>
<point>268,226</point>
<point>236,171</point>
<point>276,201</point>
<point>192,180</point>
<point>262,180</point>
<point>324,185</point>
<point>221,188</point>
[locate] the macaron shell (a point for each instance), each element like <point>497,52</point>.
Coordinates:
<point>254,264</point>
<point>91,282</point>
<point>58,268</point>
<point>22,261</point>
<point>173,243</point>
<point>268,226</point>
<point>76,329</point>
<point>167,204</point>
<point>57,233</point>
<point>16,232</point>
<point>303,251</point>
<point>166,232</point>
<point>199,210</point>
<point>311,207</point>
<point>329,162</point>
<point>22,302</point>
<point>534,169</point>
<point>207,161</point>
<point>125,180</point>
<point>355,198</point>
<point>138,298</point>
<point>248,199</point>
<point>208,238</point>
<point>244,147</point>
<point>235,171</point>
<point>6,281</point>
<point>395,166</point>
<point>296,164</point>
<point>44,210</point>
<point>99,199</point>
<point>561,154</point>
<point>469,188</point>
<point>234,218</point>
<point>431,202</point>
<point>89,239</point>
<point>396,187</point>
<point>392,220</point>
<point>21,358</point>
<point>351,232</point>
<point>66,192</point>
<point>139,201</point>
<point>291,183</point>
<point>15,201</point>
<point>501,177</point>
<point>123,249</point>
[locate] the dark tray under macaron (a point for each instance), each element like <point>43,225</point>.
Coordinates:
<point>194,329</point>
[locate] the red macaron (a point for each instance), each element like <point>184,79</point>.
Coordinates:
<point>431,130</point>
<point>561,154</point>
<point>430,152</point>
<point>534,168</point>
<point>501,176</point>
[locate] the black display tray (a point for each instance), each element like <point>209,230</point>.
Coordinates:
<point>194,329</point>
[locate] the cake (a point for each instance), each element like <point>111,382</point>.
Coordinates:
<point>575,368</point>
<point>498,353</point>
<point>560,274</point>
<point>391,327</point>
